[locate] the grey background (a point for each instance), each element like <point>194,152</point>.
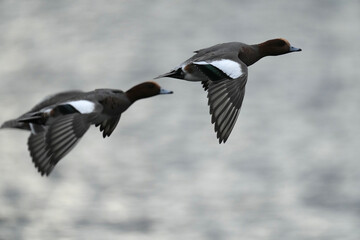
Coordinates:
<point>290,169</point>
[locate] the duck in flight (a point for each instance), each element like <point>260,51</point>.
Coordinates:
<point>223,70</point>
<point>59,121</point>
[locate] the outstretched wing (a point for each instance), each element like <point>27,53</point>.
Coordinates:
<point>48,147</point>
<point>226,89</point>
<point>225,99</point>
<point>64,133</point>
<point>39,153</point>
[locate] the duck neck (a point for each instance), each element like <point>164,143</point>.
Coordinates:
<point>250,54</point>
<point>133,95</point>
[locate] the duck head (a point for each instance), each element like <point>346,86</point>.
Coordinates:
<point>145,90</point>
<point>276,47</point>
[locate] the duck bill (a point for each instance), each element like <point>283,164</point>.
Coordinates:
<point>295,49</point>
<point>164,91</point>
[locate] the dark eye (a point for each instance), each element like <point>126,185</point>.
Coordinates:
<point>151,86</point>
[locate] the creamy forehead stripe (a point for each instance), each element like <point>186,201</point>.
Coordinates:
<point>83,106</point>
<point>229,67</point>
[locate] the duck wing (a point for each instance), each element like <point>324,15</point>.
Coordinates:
<point>39,153</point>
<point>226,80</point>
<point>48,147</point>
<point>108,126</point>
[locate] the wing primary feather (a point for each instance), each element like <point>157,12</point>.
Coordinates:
<point>229,115</point>
<point>219,102</point>
<point>38,152</point>
<point>231,126</point>
<point>224,115</point>
<point>224,112</point>
<point>63,151</point>
<point>219,112</point>
<point>56,146</point>
<point>234,116</point>
<point>66,135</point>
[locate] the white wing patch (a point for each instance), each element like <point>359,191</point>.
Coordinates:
<point>229,67</point>
<point>83,106</point>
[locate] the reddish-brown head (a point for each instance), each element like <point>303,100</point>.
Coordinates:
<point>145,90</point>
<point>276,47</point>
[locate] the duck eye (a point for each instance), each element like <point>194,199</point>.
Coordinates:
<point>151,86</point>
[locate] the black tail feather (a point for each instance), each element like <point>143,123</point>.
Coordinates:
<point>14,123</point>
<point>177,73</point>
<point>36,118</point>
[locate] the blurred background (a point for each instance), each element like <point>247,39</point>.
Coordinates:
<point>290,169</point>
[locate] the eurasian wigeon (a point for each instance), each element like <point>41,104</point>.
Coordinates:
<point>59,121</point>
<point>222,70</point>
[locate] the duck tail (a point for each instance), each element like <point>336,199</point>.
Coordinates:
<point>23,122</point>
<point>35,118</point>
<point>14,123</point>
<point>176,73</point>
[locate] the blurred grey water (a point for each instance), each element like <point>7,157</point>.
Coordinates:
<point>290,169</point>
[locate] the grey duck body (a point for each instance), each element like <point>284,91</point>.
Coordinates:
<point>223,71</point>
<point>59,121</point>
